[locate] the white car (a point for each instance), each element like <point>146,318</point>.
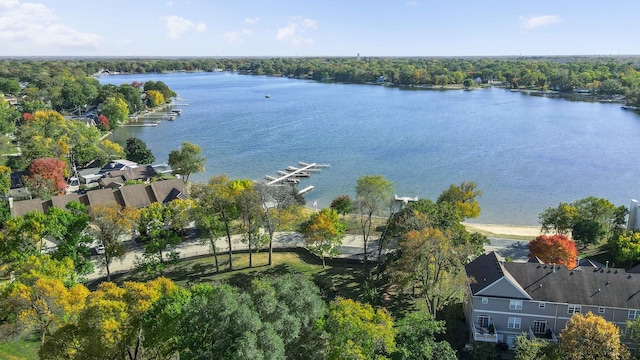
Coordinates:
<point>100,249</point>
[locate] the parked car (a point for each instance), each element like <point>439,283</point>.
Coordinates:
<point>100,249</point>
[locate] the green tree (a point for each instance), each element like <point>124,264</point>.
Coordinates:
<point>373,194</point>
<point>136,150</point>
<point>116,110</point>
<point>626,247</point>
<point>250,211</point>
<point>590,220</point>
<point>108,223</point>
<point>9,86</point>
<point>323,233</point>
<point>156,235</point>
<point>429,262</point>
<point>591,337</point>
<point>211,227</point>
<point>342,204</point>
<point>358,331</point>
<point>67,227</point>
<point>9,116</point>
<point>559,220</point>
<point>221,322</point>
<point>276,203</point>
<point>527,349</point>
<point>463,197</point>
<point>186,160</point>
<point>5,180</point>
<point>218,196</point>
<point>416,339</point>
<point>291,304</point>
<point>22,236</point>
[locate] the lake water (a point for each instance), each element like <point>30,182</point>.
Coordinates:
<point>525,152</point>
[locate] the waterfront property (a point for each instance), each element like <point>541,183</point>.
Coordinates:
<point>506,299</point>
<point>136,196</point>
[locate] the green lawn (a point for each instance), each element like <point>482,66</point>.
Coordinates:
<point>19,350</point>
<point>339,278</point>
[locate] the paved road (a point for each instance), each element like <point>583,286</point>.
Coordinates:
<point>351,248</point>
<point>518,250</point>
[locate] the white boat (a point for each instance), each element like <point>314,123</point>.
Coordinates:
<point>267,96</point>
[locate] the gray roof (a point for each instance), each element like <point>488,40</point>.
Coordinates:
<point>137,196</point>
<point>584,285</point>
<point>21,208</point>
<point>485,270</point>
<point>167,190</point>
<point>139,173</point>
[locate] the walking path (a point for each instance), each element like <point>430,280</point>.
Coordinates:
<point>352,246</point>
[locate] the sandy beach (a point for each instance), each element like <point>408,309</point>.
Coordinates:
<point>505,231</point>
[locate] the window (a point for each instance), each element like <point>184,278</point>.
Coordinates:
<point>515,304</point>
<point>485,300</point>
<point>539,326</point>
<point>483,321</point>
<point>542,305</point>
<point>633,314</point>
<point>514,323</point>
<point>573,309</point>
<point>600,310</point>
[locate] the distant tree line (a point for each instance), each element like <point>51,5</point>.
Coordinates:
<point>599,75</point>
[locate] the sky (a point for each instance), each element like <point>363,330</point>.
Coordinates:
<point>284,28</point>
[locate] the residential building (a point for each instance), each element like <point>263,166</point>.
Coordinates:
<point>137,196</point>
<point>506,299</point>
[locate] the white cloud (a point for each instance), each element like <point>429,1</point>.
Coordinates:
<point>539,21</point>
<point>169,3</point>
<point>251,21</point>
<point>247,31</point>
<point>412,3</point>
<point>33,27</point>
<point>295,32</point>
<point>178,25</point>
<point>233,37</point>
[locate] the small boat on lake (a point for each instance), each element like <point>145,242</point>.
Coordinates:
<point>267,96</point>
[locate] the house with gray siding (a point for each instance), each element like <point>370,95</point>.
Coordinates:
<point>506,299</point>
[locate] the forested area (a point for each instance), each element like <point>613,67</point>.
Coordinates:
<point>599,75</point>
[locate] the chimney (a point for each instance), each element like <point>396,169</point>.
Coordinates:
<point>606,266</point>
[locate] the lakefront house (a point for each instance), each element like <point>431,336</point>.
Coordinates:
<point>506,299</point>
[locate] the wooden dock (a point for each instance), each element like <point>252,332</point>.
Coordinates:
<point>293,174</point>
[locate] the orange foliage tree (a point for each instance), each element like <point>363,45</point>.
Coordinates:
<point>554,249</point>
<point>46,177</point>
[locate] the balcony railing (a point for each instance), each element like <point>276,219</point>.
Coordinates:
<point>483,334</point>
<point>549,336</point>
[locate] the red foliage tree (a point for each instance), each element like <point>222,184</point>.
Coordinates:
<point>27,117</point>
<point>554,249</point>
<point>103,123</point>
<point>51,169</point>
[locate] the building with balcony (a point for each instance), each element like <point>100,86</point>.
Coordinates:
<point>506,299</point>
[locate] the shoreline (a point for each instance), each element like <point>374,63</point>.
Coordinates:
<point>520,232</point>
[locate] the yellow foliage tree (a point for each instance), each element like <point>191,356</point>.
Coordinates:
<point>430,262</point>
<point>323,233</point>
<point>358,331</point>
<point>43,307</point>
<point>591,337</point>
<point>154,98</point>
<point>109,326</point>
